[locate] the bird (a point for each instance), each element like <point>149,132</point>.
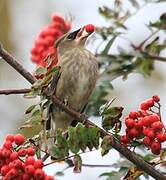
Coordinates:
<point>78,75</point>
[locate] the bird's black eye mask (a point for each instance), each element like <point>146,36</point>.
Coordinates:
<point>70,36</point>
<point>73,35</point>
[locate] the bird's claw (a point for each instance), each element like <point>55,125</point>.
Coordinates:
<point>83,117</point>
<point>65,101</point>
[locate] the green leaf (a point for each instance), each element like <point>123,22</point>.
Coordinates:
<point>110,118</point>
<point>61,143</point>
<point>56,152</point>
<point>82,136</point>
<point>72,140</point>
<point>41,70</point>
<point>108,46</point>
<point>30,109</point>
<point>36,113</point>
<point>106,145</point>
<point>31,94</point>
<point>94,134</point>
<point>113,111</point>
<point>77,161</point>
<point>148,157</point>
<point>145,66</point>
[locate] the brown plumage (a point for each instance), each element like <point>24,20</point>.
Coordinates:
<point>79,72</point>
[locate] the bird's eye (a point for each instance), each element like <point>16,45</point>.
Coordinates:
<point>73,35</point>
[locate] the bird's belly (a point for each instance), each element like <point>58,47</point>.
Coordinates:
<point>76,85</point>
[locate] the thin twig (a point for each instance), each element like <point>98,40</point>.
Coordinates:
<point>14,91</point>
<point>131,156</point>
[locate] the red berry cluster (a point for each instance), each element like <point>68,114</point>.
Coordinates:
<point>44,43</point>
<point>145,126</point>
<point>18,163</point>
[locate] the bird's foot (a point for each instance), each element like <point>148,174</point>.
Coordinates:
<point>65,101</point>
<point>84,118</point>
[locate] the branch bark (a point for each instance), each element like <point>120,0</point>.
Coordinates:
<point>14,91</point>
<point>131,156</point>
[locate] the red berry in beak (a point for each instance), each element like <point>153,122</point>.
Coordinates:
<point>89,28</point>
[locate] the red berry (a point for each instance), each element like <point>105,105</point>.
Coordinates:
<point>10,137</point>
<point>39,174</point>
<point>6,153</point>
<point>16,164</point>
<point>146,121</point>
<point>144,106</point>
<point>130,123</point>
<point>147,141</point>
<point>89,28</point>
<point>57,18</point>
<point>132,133</point>
<point>13,156</point>
<point>26,177</point>
<point>145,131</point>
<point>30,160</point>
<point>12,174</point>
<point>151,134</point>
<point>48,178</point>
<point>139,125</point>
<point>4,170</point>
<point>161,137</point>
<point>133,115</point>
<point>157,126</point>
<point>2,162</point>
<point>22,152</point>
<point>154,118</point>
<point>150,102</point>
<point>19,139</point>
<point>156,98</point>
<point>142,113</point>
<point>8,144</point>
<point>155,147</point>
<point>38,164</point>
<point>125,139</point>
<point>30,151</point>
<point>29,169</point>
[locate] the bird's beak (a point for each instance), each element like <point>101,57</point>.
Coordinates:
<point>82,35</point>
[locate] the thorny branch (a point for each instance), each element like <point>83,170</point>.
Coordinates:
<point>131,156</point>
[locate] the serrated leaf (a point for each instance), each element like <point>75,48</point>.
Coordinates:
<point>113,111</point>
<point>30,109</point>
<point>61,143</point>
<point>145,66</point>
<point>72,140</point>
<point>36,113</point>
<point>77,161</point>
<point>106,145</point>
<point>41,70</point>
<point>82,136</point>
<point>94,136</point>
<point>56,152</point>
<point>108,46</point>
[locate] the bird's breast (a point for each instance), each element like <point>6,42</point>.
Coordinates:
<point>79,73</point>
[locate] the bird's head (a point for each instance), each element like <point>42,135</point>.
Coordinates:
<point>74,39</point>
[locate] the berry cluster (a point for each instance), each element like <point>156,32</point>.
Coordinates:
<point>18,163</point>
<point>44,43</point>
<point>145,126</point>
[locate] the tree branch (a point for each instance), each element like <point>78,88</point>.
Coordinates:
<point>14,91</point>
<point>154,57</point>
<point>131,156</point>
